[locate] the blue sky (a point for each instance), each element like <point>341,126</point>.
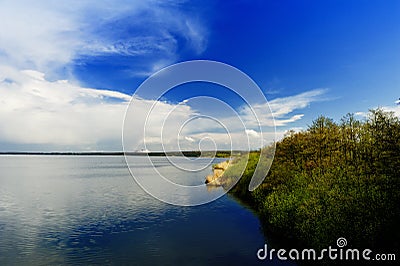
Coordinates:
<point>67,70</point>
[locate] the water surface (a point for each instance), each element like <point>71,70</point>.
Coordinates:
<point>88,210</point>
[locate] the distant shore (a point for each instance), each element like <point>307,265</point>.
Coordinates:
<point>219,154</point>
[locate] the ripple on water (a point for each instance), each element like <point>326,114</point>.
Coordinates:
<point>87,210</point>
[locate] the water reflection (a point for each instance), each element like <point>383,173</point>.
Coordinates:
<point>88,210</point>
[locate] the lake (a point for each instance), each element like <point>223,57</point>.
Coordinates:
<point>89,210</point>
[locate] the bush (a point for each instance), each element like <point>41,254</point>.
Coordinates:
<point>330,181</point>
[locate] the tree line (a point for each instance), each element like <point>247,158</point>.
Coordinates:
<point>334,179</point>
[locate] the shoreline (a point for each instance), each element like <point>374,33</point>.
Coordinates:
<point>215,179</point>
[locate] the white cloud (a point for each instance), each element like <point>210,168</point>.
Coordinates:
<point>394,109</point>
<point>34,110</point>
<point>235,130</point>
<point>252,133</point>
<point>47,35</point>
<point>361,114</point>
<point>60,114</point>
<point>284,106</point>
<point>190,139</point>
<point>281,108</point>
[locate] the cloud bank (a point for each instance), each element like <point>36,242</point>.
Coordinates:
<point>34,110</point>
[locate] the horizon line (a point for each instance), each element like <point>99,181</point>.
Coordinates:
<point>119,153</point>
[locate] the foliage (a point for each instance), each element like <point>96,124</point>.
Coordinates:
<point>241,171</point>
<point>333,180</point>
